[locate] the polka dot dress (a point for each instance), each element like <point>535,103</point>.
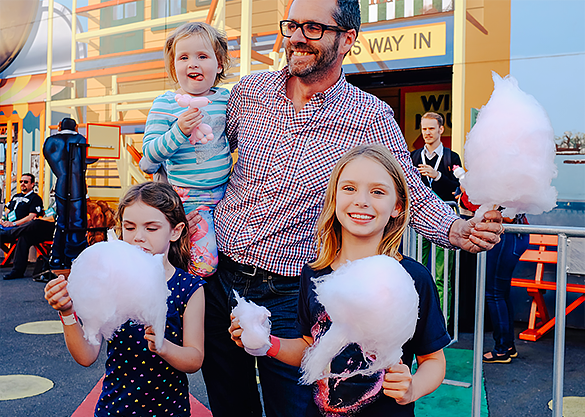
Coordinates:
<point>139,382</point>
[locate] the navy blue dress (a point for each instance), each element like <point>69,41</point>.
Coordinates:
<point>138,381</point>
<point>362,395</point>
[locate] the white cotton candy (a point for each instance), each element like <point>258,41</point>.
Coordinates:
<point>371,302</point>
<point>510,153</point>
<point>112,282</point>
<point>254,323</point>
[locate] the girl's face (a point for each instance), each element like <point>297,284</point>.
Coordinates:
<point>147,227</point>
<point>196,65</point>
<point>365,200</point>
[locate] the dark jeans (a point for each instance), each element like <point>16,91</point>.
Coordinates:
<point>33,232</point>
<point>501,261</point>
<point>228,371</point>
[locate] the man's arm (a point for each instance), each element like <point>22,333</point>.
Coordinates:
<point>429,215</point>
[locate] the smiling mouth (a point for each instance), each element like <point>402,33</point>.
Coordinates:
<point>359,216</point>
<point>197,77</point>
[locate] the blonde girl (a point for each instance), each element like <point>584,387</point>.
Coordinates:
<point>138,376</point>
<point>365,214</point>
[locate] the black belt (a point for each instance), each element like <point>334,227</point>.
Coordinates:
<point>247,270</point>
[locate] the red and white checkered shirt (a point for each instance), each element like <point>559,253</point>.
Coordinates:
<point>275,194</point>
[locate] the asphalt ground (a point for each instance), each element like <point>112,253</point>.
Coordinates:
<point>521,388</point>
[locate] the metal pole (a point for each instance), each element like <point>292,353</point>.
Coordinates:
<point>446,285</point>
<point>478,336</point>
<point>456,301</point>
<point>561,304</point>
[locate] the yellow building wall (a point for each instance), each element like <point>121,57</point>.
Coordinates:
<point>484,53</point>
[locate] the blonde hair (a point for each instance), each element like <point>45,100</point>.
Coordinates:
<point>328,226</point>
<point>217,39</point>
<point>163,197</point>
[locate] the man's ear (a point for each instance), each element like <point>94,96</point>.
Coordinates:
<point>441,129</point>
<point>347,41</point>
<point>176,232</point>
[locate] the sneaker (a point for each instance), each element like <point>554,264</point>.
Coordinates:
<point>13,275</point>
<point>497,358</point>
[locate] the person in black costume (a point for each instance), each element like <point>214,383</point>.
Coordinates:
<point>67,161</point>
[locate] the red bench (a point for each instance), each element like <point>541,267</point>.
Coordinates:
<point>537,287</point>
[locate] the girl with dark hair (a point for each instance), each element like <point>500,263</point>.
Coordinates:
<point>138,376</point>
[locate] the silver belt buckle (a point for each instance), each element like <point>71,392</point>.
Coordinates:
<point>252,274</point>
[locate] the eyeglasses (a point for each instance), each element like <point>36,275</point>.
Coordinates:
<point>24,181</point>
<point>313,31</point>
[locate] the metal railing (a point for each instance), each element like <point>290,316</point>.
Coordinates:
<point>563,234</point>
<point>412,246</point>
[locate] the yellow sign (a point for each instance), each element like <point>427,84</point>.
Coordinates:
<point>418,102</point>
<point>401,43</point>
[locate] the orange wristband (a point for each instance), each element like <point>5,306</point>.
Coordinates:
<point>273,351</point>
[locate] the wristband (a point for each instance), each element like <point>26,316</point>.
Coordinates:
<point>69,320</point>
<point>273,351</point>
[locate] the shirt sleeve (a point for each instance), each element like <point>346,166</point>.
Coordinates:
<point>431,334</point>
<point>304,314</point>
<point>428,214</point>
<point>233,116</point>
<point>36,206</point>
<point>162,136</point>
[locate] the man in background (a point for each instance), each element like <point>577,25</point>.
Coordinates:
<point>435,163</point>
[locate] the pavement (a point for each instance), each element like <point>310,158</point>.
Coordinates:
<point>521,388</point>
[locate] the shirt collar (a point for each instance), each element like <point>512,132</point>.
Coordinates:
<point>438,151</point>
<point>326,97</point>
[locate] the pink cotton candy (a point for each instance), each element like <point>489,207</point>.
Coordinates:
<point>371,302</point>
<point>510,153</point>
<point>112,282</point>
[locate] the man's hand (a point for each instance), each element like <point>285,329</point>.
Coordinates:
<point>473,236</point>
<point>427,171</point>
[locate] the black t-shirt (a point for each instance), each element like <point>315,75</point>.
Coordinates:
<point>359,395</point>
<point>24,204</point>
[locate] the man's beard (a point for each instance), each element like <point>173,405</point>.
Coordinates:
<point>323,60</point>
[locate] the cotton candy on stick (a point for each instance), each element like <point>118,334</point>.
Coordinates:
<point>255,324</point>
<point>509,154</point>
<point>371,302</point>
<point>112,282</point>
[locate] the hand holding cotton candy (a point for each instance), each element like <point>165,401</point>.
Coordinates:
<point>509,154</point>
<point>255,326</point>
<point>202,133</point>
<point>112,282</point>
<point>371,302</point>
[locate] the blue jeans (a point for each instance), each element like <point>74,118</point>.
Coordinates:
<point>501,261</point>
<point>228,371</point>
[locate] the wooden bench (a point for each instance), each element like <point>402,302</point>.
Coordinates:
<point>537,287</point>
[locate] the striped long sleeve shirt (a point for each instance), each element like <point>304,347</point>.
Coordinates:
<point>200,166</point>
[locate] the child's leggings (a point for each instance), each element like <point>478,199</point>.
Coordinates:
<point>203,242</point>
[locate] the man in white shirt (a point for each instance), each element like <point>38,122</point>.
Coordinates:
<point>435,164</point>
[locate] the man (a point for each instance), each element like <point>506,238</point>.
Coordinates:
<point>290,128</point>
<point>435,164</point>
<point>24,206</point>
<point>22,209</point>
<point>67,161</point>
<point>434,161</point>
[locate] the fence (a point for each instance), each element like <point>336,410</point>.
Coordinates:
<point>412,246</point>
